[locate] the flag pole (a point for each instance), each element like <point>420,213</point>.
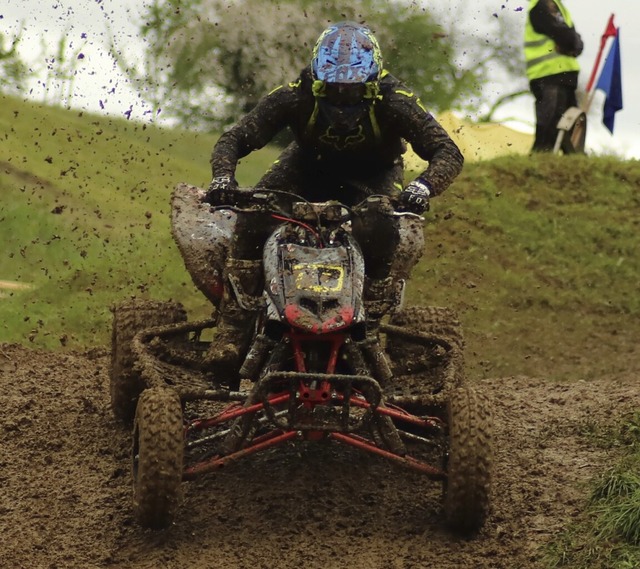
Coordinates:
<point>609,32</point>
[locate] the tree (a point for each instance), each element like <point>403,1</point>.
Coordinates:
<point>208,61</point>
<point>62,69</point>
<point>13,71</point>
<point>489,41</point>
<point>57,75</point>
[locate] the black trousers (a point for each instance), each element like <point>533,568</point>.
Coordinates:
<point>552,100</point>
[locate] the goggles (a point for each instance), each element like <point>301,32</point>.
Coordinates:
<point>345,94</point>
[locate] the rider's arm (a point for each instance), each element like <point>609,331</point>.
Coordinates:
<point>428,139</point>
<point>253,131</point>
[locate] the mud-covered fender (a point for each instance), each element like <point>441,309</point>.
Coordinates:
<point>203,236</point>
<point>410,244</point>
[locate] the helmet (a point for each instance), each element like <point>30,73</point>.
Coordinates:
<point>346,64</point>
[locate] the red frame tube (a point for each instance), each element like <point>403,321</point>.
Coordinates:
<point>231,413</point>
<point>363,444</point>
<point>269,440</point>
<point>311,397</point>
<point>428,423</point>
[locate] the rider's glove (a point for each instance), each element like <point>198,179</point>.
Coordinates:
<point>415,197</point>
<point>220,190</point>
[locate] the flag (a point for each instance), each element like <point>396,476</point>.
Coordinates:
<point>610,82</point>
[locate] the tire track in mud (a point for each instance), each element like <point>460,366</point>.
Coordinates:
<point>66,498</point>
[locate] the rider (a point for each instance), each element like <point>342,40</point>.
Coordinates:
<point>350,120</point>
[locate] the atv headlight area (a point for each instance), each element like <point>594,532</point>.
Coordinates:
<point>314,290</point>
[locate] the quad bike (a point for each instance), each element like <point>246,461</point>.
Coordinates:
<point>312,371</point>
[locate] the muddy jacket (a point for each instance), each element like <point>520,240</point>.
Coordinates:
<point>376,142</point>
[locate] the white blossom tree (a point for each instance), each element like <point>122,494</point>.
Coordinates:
<point>208,61</point>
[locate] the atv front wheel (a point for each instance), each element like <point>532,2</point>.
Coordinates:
<point>129,318</point>
<point>436,358</point>
<point>157,457</point>
<point>469,461</point>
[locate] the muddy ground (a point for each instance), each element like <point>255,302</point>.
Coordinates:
<point>65,486</point>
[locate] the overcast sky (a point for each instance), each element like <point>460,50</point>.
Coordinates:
<point>99,87</point>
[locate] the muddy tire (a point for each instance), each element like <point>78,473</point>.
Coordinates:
<point>469,461</point>
<point>414,357</point>
<point>157,457</point>
<point>129,318</point>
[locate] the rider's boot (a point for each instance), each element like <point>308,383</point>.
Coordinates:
<point>241,298</point>
<point>380,296</point>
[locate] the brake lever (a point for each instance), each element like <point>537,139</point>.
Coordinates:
<point>411,214</point>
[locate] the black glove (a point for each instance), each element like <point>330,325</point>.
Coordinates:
<point>220,191</point>
<point>415,197</point>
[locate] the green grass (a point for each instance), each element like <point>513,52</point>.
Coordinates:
<point>607,534</point>
<point>535,253</point>
<point>84,218</point>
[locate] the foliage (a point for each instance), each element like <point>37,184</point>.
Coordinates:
<point>57,74</point>
<point>491,45</point>
<point>13,71</point>
<point>208,61</point>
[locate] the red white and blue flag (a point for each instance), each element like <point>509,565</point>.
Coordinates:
<point>610,80</point>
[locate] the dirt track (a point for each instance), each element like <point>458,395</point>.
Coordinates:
<point>65,488</point>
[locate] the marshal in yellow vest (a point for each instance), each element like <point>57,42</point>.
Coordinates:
<point>540,51</point>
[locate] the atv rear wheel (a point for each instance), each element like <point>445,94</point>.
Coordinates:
<point>157,457</point>
<point>469,461</point>
<point>129,318</point>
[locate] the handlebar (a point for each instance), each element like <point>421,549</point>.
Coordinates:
<point>290,204</point>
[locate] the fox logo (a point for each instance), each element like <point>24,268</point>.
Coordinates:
<point>340,141</point>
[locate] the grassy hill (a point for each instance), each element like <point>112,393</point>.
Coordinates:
<point>84,212</point>
<point>538,254</point>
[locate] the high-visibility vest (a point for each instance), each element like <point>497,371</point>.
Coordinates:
<point>540,53</point>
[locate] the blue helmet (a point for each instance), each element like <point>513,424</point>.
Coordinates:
<point>346,53</point>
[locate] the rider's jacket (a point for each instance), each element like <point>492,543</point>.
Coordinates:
<point>372,137</point>
<point>551,43</point>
